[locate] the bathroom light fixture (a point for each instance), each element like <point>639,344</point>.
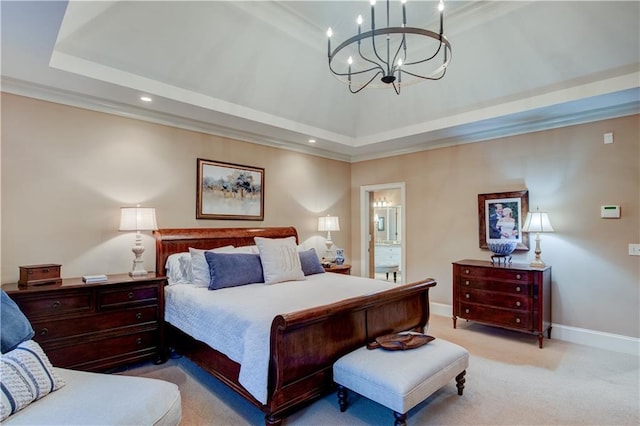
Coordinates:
<point>398,55</point>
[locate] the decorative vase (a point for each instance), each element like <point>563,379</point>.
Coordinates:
<point>339,256</point>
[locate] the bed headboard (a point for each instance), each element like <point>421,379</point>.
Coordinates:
<point>177,240</point>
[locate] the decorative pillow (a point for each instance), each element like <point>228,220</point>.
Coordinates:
<point>27,375</point>
<point>178,268</point>
<point>199,267</point>
<point>280,259</point>
<point>310,262</point>
<point>15,327</point>
<point>245,249</point>
<point>233,269</point>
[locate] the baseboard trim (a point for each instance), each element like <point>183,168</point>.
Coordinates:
<point>581,336</point>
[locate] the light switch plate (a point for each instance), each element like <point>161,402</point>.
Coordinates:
<point>634,249</point>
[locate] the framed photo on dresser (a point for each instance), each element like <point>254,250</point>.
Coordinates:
<point>501,216</point>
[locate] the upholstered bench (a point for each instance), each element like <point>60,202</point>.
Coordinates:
<point>400,380</point>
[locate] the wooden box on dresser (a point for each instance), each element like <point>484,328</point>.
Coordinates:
<point>96,327</point>
<point>512,296</point>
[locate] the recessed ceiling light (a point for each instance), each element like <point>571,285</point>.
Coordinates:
<point>312,141</point>
<point>145,99</point>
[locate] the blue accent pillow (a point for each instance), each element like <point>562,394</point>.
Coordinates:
<point>15,328</point>
<point>233,269</point>
<point>310,263</point>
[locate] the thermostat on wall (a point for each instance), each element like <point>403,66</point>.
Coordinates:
<point>610,212</point>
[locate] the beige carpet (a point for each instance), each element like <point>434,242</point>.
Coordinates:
<point>510,381</point>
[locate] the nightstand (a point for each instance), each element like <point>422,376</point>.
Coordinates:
<point>339,269</point>
<point>96,327</point>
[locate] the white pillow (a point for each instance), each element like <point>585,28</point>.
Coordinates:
<point>280,259</point>
<point>200,274</point>
<point>245,249</point>
<point>27,375</point>
<point>178,267</point>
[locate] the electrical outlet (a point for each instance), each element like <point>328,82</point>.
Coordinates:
<point>634,249</point>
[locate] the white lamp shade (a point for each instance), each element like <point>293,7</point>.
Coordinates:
<point>537,222</point>
<point>328,223</point>
<point>138,219</point>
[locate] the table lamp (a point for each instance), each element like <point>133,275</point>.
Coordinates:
<point>537,222</point>
<point>328,223</point>
<point>138,219</point>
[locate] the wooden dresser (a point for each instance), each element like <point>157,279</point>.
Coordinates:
<point>513,296</point>
<point>96,327</point>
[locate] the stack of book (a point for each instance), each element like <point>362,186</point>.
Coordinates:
<point>93,279</point>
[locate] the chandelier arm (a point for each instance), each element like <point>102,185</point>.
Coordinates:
<point>444,71</point>
<point>342,74</point>
<point>447,45</point>
<point>402,43</point>
<point>377,65</point>
<point>365,85</point>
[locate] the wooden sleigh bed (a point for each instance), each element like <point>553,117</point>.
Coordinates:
<point>305,344</point>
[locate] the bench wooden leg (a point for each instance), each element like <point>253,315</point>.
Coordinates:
<point>401,419</point>
<point>342,398</point>
<point>460,380</point>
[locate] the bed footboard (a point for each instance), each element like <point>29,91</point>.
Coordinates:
<point>305,344</point>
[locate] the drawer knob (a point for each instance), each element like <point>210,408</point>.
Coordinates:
<point>55,305</point>
<point>518,304</point>
<point>467,295</point>
<point>466,271</point>
<point>518,276</point>
<point>44,331</point>
<point>45,270</point>
<point>466,311</point>
<point>130,295</point>
<point>518,320</point>
<point>518,288</point>
<point>466,283</point>
<point>139,315</point>
<point>139,341</point>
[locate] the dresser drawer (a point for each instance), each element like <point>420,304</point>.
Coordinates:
<point>492,315</point>
<point>82,327</point>
<point>58,304</point>
<point>128,296</point>
<point>523,288</point>
<point>499,300</point>
<point>103,352</point>
<point>494,273</point>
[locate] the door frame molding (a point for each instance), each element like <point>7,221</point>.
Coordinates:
<point>364,222</point>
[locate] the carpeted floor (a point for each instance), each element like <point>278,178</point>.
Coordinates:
<point>510,381</point>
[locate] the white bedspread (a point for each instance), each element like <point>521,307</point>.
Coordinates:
<point>237,321</point>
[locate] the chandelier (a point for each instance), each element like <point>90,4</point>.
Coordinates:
<point>390,56</point>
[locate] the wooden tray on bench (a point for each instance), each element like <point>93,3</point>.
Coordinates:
<point>400,341</point>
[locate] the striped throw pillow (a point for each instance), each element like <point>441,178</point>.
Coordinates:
<point>26,375</point>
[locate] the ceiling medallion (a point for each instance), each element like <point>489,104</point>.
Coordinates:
<point>399,55</point>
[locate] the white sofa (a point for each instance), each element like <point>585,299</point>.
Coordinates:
<point>103,399</point>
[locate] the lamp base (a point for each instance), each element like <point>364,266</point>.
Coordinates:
<point>138,269</point>
<point>538,263</point>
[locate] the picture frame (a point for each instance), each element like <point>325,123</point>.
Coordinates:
<point>491,207</point>
<point>229,191</point>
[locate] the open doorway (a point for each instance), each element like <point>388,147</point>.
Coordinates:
<point>382,231</point>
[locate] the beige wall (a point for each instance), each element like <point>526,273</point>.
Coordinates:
<point>66,172</point>
<point>570,173</point>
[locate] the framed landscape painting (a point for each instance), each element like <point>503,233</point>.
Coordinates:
<point>229,191</point>
<point>501,216</point>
